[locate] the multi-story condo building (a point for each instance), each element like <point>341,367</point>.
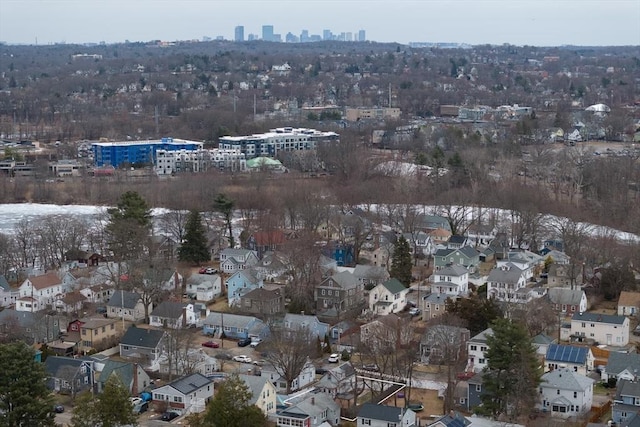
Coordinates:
<point>137,152</point>
<point>169,162</point>
<point>355,114</point>
<point>277,140</point>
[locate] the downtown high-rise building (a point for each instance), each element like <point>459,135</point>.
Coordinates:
<point>239,33</point>
<point>267,33</point>
<point>362,36</point>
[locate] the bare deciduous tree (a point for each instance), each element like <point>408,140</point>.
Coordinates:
<point>289,350</point>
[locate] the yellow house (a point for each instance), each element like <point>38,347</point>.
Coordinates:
<point>95,333</point>
<point>263,393</point>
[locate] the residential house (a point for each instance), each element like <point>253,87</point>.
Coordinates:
<point>458,241</point>
<point>560,275</point>
<point>621,366</point>
<point>434,305</point>
<point>567,301</point>
<point>339,293</point>
<point>530,263</point>
<point>626,403</point>
<point>317,328</point>
<point>235,326</point>
<point>69,375</point>
<point>345,335</point>
<point>602,328</point>
<point>565,393</point>
<point>313,411</point>
<point>171,314</point>
<point>71,302</point>
<point>232,260</point>
<point>338,382</point>
<point>480,235</point>
<point>388,297</point>
<point>442,343</point>
<point>370,275</point>
<point>37,292</point>
<point>452,419</point>
<point>262,242</point>
<point>432,222</point>
<point>306,377</point>
<point>167,279</point>
<point>420,244</point>
<point>475,390</point>
<point>628,303</point>
<point>272,266</point>
<point>541,343</point>
<point>265,301</point>
<point>577,359</point>
<point>30,327</point>
<point>466,256</point>
<point>440,237</point>
<point>95,294</point>
<point>188,361</point>
<point>386,333</point>
<point>504,282</point>
<point>556,257</point>
<point>204,287</point>
<point>263,393</point>
<point>241,282</point>
<point>374,415</point>
<point>452,279</point>
<point>127,305</point>
<point>188,394</point>
<point>476,351</point>
<point>8,295</point>
<point>132,376</point>
<point>98,334</point>
<point>144,345</point>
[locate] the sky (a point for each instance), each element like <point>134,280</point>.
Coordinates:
<point>517,22</point>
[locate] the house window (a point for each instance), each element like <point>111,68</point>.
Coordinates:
<point>575,394</point>
<point>478,388</point>
<point>177,399</point>
<point>481,361</point>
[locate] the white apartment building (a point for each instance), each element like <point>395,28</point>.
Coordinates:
<point>602,328</point>
<point>170,162</point>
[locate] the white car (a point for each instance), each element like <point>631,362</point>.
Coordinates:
<point>334,358</point>
<point>255,342</point>
<point>242,359</point>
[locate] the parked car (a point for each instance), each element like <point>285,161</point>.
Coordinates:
<point>242,359</point>
<point>203,270</point>
<point>244,342</point>
<point>255,342</point>
<point>210,270</point>
<point>211,344</point>
<point>334,358</point>
<point>141,407</point>
<point>58,409</point>
<point>371,367</point>
<point>168,416</point>
<point>414,311</point>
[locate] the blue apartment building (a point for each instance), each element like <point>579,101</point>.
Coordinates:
<point>137,152</point>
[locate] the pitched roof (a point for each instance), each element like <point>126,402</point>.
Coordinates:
<point>124,299</point>
<point>262,294</point>
<point>629,299</point>
<point>566,379</point>
<point>509,274</point>
<point>73,297</point>
<point>45,281</point>
<point>230,320</point>
<point>394,286</point>
<point>53,365</point>
<point>567,353</point>
<point>452,420</point>
<point>190,383</point>
<point>3,283</point>
<point>274,237</point>
<point>618,362</point>
<point>482,336</point>
<point>96,323</point>
<point>169,310</point>
<point>139,337</point>
<point>628,388</point>
<point>345,280</point>
<point>565,296</point>
<point>380,412</point>
<point>598,318</point>
<point>256,385</point>
<point>123,370</point>
<point>438,298</point>
<point>454,270</point>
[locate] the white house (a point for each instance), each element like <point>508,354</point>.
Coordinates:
<point>602,328</point>
<point>565,393</point>
<point>504,282</point>
<point>232,260</point>
<point>173,315</point>
<point>629,303</point>
<point>306,377</point>
<point>577,359</point>
<point>452,279</point>
<point>204,287</point>
<point>388,297</point>
<point>8,295</point>
<point>37,292</point>
<point>188,394</point>
<point>374,415</point>
<point>476,349</point>
<point>526,261</point>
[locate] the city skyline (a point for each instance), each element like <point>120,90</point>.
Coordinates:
<point>518,22</point>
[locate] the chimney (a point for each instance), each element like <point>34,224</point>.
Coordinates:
<point>302,313</point>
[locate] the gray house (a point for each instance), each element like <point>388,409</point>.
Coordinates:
<point>475,391</point>
<point>126,305</point>
<point>235,326</point>
<point>621,366</point>
<point>626,404</point>
<point>374,415</point>
<point>297,321</point>
<point>141,344</point>
<point>68,375</point>
<point>134,378</point>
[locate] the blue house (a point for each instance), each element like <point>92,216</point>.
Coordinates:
<point>342,254</point>
<point>298,321</point>
<point>235,326</point>
<point>475,391</point>
<point>69,375</point>
<point>240,283</point>
<point>626,404</point>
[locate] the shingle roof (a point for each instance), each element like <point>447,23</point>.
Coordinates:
<point>169,310</point>
<point>230,320</point>
<point>394,286</point>
<point>123,370</point>
<point>379,412</point>
<point>345,280</point>
<point>482,336</point>
<point>565,296</point>
<point>598,318</point>
<point>45,281</point>
<point>255,384</point>
<point>629,299</point>
<point>53,364</point>
<point>618,362</point>
<point>509,275</point>
<point>130,299</point>
<point>262,294</point>
<point>3,283</point>
<point>627,388</point>
<point>139,337</point>
<point>567,353</point>
<point>190,383</point>
<point>566,379</point>
<point>454,270</point>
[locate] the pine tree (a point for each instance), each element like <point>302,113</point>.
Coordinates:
<point>230,406</point>
<point>24,397</point>
<point>401,262</point>
<point>225,206</point>
<point>512,374</point>
<point>129,226</point>
<point>112,408</point>
<point>194,247</point>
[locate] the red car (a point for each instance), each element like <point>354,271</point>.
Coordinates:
<point>202,270</point>
<point>211,344</point>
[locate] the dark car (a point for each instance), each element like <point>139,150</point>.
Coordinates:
<point>58,409</point>
<point>168,416</point>
<point>244,342</point>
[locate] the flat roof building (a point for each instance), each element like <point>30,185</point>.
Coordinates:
<point>137,152</point>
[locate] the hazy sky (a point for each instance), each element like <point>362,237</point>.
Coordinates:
<point>519,22</point>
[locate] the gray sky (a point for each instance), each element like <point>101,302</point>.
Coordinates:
<point>519,22</point>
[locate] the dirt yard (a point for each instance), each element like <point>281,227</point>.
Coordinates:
<point>429,399</point>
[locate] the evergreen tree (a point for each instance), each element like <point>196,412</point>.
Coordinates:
<point>230,406</point>
<point>112,408</point>
<point>129,226</point>
<point>225,206</point>
<point>194,247</point>
<point>401,262</point>
<point>513,372</point>
<point>24,397</point>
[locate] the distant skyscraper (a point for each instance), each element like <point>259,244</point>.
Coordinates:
<point>304,36</point>
<point>326,35</point>
<point>239,33</point>
<point>267,33</point>
<point>348,37</point>
<point>361,36</point>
